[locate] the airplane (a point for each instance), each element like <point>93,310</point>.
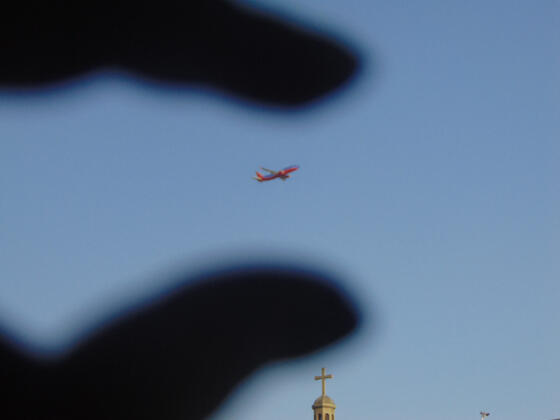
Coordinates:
<point>283,174</point>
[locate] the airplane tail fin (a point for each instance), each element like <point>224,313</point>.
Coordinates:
<point>259,177</point>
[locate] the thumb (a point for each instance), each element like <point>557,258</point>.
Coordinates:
<point>179,356</point>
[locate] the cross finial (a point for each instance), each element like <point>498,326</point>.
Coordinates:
<point>322,378</point>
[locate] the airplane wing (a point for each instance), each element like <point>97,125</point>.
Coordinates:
<point>269,171</point>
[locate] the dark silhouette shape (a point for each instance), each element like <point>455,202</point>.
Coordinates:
<point>179,355</point>
<point>210,42</point>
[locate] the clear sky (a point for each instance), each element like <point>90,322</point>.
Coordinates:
<point>431,186</point>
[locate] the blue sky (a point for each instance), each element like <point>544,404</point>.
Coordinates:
<point>430,186</point>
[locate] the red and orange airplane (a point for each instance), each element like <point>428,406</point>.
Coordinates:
<point>283,174</point>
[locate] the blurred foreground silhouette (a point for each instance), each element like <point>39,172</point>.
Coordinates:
<point>179,355</point>
<point>210,42</point>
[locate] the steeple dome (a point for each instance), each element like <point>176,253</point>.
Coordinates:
<point>324,406</point>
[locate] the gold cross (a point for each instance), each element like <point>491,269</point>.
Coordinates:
<point>322,378</point>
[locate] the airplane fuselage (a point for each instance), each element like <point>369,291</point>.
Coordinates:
<point>282,174</point>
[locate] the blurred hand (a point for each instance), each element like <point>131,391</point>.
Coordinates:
<point>178,356</point>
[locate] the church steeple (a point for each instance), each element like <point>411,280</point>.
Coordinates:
<point>324,406</point>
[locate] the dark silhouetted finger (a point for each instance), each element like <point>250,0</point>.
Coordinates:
<point>210,42</point>
<point>179,355</point>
